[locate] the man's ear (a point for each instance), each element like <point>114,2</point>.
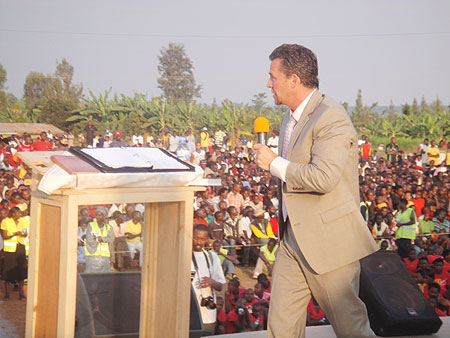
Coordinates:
<point>294,80</point>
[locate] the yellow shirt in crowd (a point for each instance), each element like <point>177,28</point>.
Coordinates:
<point>434,152</point>
<point>134,229</point>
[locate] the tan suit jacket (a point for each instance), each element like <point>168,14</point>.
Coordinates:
<point>321,190</point>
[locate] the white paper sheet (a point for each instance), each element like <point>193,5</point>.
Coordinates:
<point>139,157</point>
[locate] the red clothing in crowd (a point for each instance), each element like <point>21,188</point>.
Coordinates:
<point>274,222</point>
<point>313,313</point>
<point>197,221</point>
<point>232,300</point>
<point>442,279</point>
<point>229,325</point>
<point>222,316</point>
<point>365,150</point>
<point>25,148</point>
<point>419,203</point>
<point>411,266</point>
<point>446,266</point>
<point>431,258</point>
<point>440,313</point>
<point>249,305</point>
<point>253,319</point>
<point>40,145</point>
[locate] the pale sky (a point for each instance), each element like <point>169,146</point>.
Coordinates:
<point>391,49</point>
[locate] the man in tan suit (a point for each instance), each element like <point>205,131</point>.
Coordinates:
<point>323,234</point>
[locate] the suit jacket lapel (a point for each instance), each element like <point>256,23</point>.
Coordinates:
<point>284,122</point>
<point>315,100</point>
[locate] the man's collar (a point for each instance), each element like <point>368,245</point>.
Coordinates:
<point>298,112</point>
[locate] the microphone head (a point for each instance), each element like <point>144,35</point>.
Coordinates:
<point>261,125</point>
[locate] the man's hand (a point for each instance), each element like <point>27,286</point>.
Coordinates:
<point>264,156</point>
<point>206,282</point>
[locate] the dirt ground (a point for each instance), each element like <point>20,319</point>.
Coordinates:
<point>12,315</point>
<point>12,310</point>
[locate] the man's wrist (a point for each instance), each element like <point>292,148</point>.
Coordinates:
<point>278,167</point>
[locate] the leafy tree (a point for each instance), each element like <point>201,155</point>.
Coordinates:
<point>406,109</point>
<point>64,87</point>
<point>55,111</point>
<point>37,85</point>
<point>259,101</point>
<point>414,107</point>
<point>99,108</point>
<point>176,74</point>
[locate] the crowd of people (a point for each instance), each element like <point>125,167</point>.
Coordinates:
<point>404,199</point>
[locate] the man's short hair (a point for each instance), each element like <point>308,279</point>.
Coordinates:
<point>298,60</point>
<point>201,227</point>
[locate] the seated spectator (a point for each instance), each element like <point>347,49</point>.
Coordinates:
<point>238,319</point>
<point>226,260</point>
<point>133,235</point>
<point>380,230</point>
<point>81,252</point>
<point>232,294</point>
<point>245,233</point>
<point>426,225</point>
<point>200,217</point>
<point>121,254</point>
<point>440,276</point>
<point>231,230</point>
<point>418,278</point>
<point>440,222</point>
<point>435,305</point>
<point>446,261</point>
<point>411,262</point>
<point>267,255</point>
<point>257,317</point>
<point>273,219</point>
<point>314,314</point>
<point>221,316</point>
<point>250,299</point>
<point>265,282</point>
<point>261,228</point>
<point>216,227</point>
<point>256,203</point>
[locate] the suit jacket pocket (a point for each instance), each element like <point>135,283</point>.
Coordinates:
<point>330,215</point>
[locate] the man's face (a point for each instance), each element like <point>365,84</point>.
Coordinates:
<point>43,136</point>
<point>278,82</point>
<point>433,292</point>
<point>438,267</point>
<point>249,295</point>
<point>200,239</point>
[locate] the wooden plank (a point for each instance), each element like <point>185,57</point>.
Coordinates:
<point>33,267</point>
<point>165,274</point>
<point>48,266</point>
<point>73,164</point>
<point>67,296</point>
<point>39,161</point>
<point>133,195</point>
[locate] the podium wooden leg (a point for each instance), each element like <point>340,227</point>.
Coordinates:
<point>167,246</point>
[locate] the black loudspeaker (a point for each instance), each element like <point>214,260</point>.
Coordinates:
<point>395,304</point>
<point>108,305</point>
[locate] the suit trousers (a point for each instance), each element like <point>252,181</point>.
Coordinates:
<point>336,292</point>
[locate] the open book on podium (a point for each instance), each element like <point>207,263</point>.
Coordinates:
<point>131,160</point>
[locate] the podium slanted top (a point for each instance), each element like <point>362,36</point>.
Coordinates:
<point>64,170</point>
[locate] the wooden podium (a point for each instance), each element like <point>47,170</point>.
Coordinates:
<point>52,272</point>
